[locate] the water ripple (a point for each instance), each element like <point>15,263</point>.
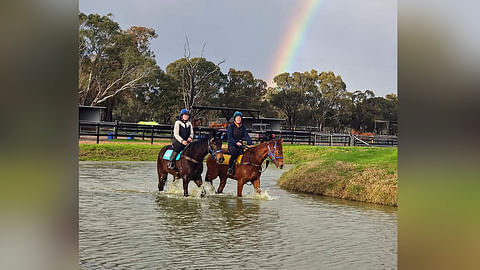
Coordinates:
<point>125,223</point>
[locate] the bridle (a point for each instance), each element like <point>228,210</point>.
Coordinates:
<point>212,152</point>
<point>272,155</point>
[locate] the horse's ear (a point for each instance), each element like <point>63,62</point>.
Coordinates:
<point>281,140</point>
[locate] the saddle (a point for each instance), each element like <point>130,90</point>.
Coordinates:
<point>168,154</point>
<point>227,157</point>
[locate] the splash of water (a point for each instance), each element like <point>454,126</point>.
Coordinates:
<point>176,188</point>
<point>263,195</point>
<point>208,190</point>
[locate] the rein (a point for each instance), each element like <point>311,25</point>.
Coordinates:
<point>271,155</point>
<point>187,157</point>
<point>210,150</point>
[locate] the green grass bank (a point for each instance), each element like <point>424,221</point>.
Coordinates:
<point>367,174</point>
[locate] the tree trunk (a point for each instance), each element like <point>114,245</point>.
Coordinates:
<point>109,114</point>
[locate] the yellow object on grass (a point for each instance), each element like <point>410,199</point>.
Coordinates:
<point>151,123</point>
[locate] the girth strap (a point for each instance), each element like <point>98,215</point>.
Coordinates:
<point>191,159</point>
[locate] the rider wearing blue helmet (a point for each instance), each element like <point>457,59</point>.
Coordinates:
<point>182,135</point>
<point>236,133</point>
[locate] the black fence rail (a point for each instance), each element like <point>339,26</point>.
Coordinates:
<point>114,130</point>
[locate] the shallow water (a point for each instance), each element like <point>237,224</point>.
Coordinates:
<point>125,223</point>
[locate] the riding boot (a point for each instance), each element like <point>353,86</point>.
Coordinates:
<point>231,166</point>
<point>171,163</point>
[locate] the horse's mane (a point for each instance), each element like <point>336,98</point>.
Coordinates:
<point>256,147</point>
<point>202,140</point>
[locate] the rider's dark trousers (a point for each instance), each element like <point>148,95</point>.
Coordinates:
<point>177,147</point>
<point>234,150</point>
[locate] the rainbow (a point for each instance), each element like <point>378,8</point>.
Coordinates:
<point>285,55</point>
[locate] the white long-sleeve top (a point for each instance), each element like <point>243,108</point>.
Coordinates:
<point>176,130</point>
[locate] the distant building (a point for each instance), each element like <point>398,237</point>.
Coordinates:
<point>90,113</point>
<point>263,124</point>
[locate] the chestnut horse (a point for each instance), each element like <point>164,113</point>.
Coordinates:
<point>190,165</point>
<point>250,167</point>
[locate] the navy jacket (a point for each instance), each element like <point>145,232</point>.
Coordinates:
<point>232,140</point>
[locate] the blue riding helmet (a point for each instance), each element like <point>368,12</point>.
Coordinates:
<point>237,113</point>
<point>184,111</point>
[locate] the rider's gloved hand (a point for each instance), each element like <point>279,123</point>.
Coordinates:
<point>239,143</point>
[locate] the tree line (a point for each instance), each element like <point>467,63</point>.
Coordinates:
<point>117,69</point>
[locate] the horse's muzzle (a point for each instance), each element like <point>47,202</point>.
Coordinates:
<point>221,160</point>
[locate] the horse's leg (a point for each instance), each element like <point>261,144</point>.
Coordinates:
<point>209,178</point>
<point>212,171</point>
<point>240,184</point>
<point>186,180</point>
<point>223,181</point>
<point>162,180</point>
<point>256,185</point>
<point>162,174</point>
<point>198,182</point>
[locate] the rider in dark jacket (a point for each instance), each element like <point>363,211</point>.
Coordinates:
<point>182,135</point>
<point>236,133</point>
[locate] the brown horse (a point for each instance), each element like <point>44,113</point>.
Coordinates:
<point>218,125</point>
<point>250,167</point>
<point>190,165</point>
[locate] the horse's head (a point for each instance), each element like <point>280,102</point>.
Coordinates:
<point>215,148</point>
<point>275,152</point>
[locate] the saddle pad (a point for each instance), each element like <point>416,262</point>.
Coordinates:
<point>168,154</point>
<point>227,159</point>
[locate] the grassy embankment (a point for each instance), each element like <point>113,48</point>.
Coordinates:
<point>354,173</point>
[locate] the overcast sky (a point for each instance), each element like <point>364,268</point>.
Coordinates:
<point>356,39</point>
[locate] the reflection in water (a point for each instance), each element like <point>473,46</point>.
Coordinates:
<point>126,224</point>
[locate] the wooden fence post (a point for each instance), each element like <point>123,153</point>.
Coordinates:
<point>330,139</point>
<point>115,129</point>
<point>151,141</point>
<point>98,133</point>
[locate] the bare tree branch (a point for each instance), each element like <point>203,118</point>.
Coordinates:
<point>185,47</point>
<point>203,49</point>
